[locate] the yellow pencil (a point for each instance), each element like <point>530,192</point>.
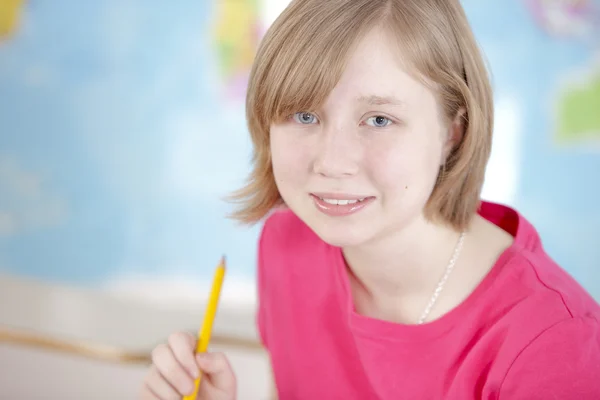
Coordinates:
<point>209,317</point>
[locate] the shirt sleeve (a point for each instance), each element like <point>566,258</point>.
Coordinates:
<point>563,362</point>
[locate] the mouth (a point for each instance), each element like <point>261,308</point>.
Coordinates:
<point>334,204</point>
<point>341,202</point>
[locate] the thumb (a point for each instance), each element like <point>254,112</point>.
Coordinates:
<point>218,369</point>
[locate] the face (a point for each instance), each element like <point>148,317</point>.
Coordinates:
<point>364,165</point>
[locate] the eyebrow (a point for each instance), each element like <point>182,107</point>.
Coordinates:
<point>381,100</point>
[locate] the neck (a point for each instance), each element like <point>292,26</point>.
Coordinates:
<point>405,263</point>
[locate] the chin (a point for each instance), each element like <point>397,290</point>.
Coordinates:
<point>342,241</point>
<point>343,231</point>
<point>337,232</point>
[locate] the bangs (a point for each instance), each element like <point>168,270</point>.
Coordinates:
<point>305,60</point>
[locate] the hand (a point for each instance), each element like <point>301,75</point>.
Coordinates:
<point>175,366</point>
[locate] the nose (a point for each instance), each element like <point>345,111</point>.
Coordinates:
<point>336,155</point>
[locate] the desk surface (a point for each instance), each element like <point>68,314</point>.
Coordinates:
<point>110,325</point>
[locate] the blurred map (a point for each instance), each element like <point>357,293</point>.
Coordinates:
<point>578,99</point>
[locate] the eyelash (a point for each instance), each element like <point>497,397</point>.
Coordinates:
<point>389,121</point>
<point>296,118</point>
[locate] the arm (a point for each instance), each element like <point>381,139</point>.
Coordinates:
<point>563,362</point>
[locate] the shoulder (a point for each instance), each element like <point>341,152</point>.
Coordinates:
<point>550,330</point>
<point>550,287</point>
<point>562,361</point>
<point>541,305</point>
<point>532,277</point>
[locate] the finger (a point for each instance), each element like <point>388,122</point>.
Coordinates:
<point>218,369</point>
<point>159,387</point>
<point>183,347</point>
<point>147,394</point>
<point>171,370</point>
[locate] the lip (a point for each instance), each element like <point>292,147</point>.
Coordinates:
<point>339,196</point>
<point>339,210</point>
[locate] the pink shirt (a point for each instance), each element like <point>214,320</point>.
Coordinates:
<point>528,331</point>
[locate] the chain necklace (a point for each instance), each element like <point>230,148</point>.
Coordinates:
<point>442,281</point>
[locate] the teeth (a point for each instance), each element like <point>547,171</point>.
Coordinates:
<point>341,202</point>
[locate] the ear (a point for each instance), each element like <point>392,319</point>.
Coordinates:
<point>456,131</point>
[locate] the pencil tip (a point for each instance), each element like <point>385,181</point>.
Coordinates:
<point>223,260</point>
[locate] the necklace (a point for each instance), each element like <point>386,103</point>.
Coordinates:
<point>442,281</point>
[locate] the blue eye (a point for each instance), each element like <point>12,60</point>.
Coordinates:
<point>378,121</point>
<point>305,118</point>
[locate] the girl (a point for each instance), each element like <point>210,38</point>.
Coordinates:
<point>381,273</point>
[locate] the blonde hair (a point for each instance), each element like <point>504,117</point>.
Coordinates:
<point>303,55</point>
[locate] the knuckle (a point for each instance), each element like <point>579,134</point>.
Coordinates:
<point>181,339</point>
<point>221,356</point>
<point>168,371</point>
<point>176,337</point>
<point>220,360</point>
<point>182,383</point>
<point>158,353</point>
<point>151,378</point>
<point>146,391</point>
<point>164,362</point>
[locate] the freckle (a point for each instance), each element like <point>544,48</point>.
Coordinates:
<point>405,187</point>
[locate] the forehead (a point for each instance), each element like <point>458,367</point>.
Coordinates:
<point>378,70</point>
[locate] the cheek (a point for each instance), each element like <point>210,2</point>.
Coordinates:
<point>404,165</point>
<point>290,159</point>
